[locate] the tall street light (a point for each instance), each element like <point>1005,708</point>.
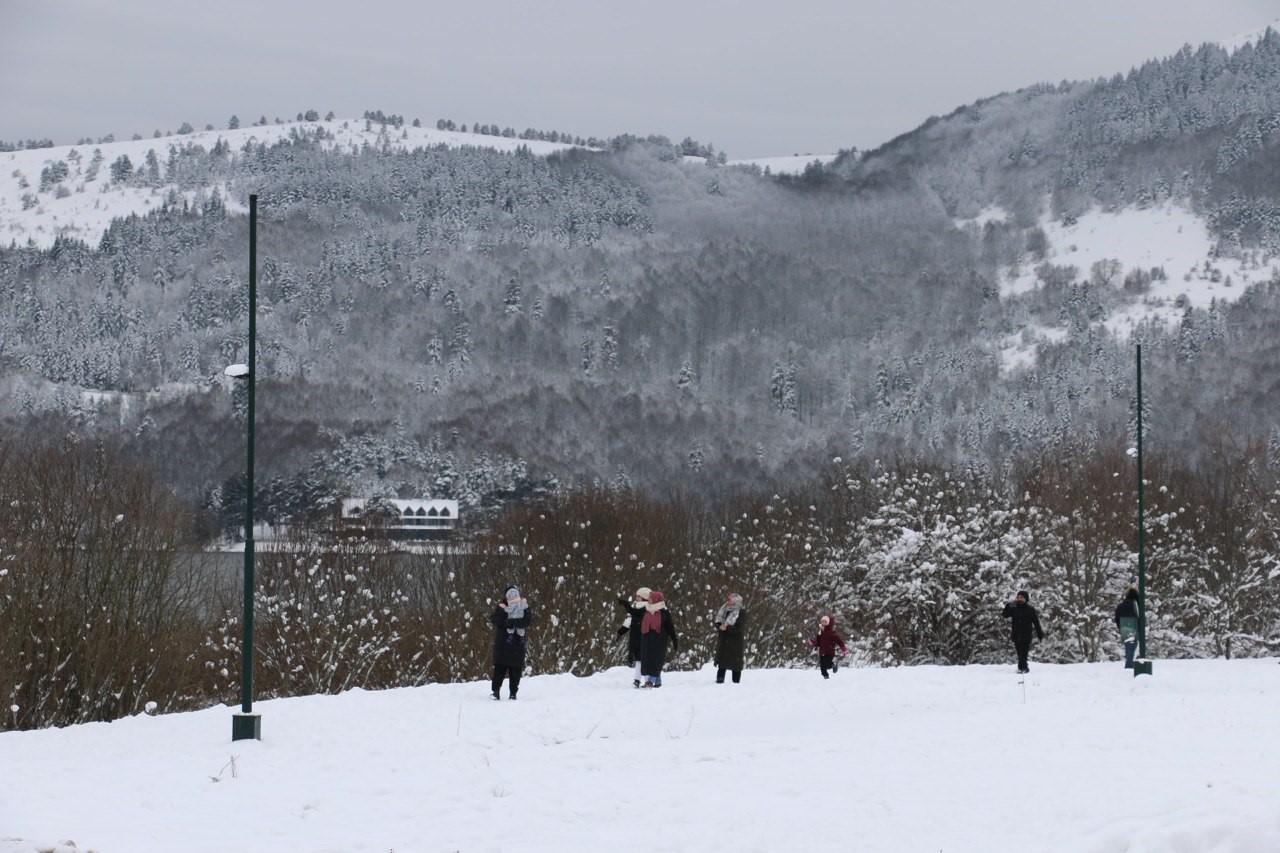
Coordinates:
<point>247,725</point>
<point>1141,666</point>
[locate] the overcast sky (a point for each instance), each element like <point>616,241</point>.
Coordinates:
<point>753,78</point>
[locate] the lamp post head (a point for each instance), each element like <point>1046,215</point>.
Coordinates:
<point>237,371</point>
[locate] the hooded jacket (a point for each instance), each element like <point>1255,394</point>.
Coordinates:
<point>827,639</point>
<point>1127,613</point>
<point>1023,619</point>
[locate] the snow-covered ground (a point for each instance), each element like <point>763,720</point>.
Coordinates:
<point>1079,758</point>
<point>1169,236</point>
<point>90,205</point>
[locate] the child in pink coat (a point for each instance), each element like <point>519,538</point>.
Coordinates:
<point>826,641</point>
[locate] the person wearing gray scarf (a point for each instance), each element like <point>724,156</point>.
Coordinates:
<point>510,620</point>
<point>729,622</point>
<point>515,607</point>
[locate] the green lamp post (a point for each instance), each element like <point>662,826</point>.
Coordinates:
<point>1141,666</point>
<point>247,725</point>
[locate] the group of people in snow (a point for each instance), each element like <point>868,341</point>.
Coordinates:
<point>649,630</point>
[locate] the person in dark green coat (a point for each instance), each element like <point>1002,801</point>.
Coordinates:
<point>730,620</point>
<point>1127,613</point>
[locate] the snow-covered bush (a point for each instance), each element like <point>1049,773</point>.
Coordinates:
<point>929,566</point>
<point>328,617</point>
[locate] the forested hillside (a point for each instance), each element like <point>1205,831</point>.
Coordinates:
<point>472,323</point>
<point>885,389</point>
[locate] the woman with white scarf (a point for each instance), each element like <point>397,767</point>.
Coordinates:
<point>631,623</point>
<point>729,622</point>
<point>510,620</point>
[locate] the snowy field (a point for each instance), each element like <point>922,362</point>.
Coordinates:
<point>1079,758</point>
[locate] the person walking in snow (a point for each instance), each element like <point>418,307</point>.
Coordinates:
<point>1128,612</point>
<point>826,641</point>
<point>634,616</point>
<point>510,619</point>
<point>655,630</point>
<point>1023,619</point>
<point>729,622</point>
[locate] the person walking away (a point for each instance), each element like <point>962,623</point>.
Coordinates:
<point>510,621</point>
<point>1128,612</point>
<point>1023,620</point>
<point>826,641</point>
<point>729,622</point>
<point>634,616</point>
<point>655,630</point>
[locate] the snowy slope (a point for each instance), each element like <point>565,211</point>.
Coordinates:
<point>91,205</point>
<point>1169,236</point>
<point>1079,758</point>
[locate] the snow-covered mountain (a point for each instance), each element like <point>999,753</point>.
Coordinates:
<point>83,203</point>
<point>909,299</point>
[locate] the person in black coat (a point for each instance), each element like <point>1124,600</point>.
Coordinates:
<point>1023,620</point>
<point>1127,623</point>
<point>729,622</point>
<point>634,611</point>
<point>510,620</point>
<point>655,630</point>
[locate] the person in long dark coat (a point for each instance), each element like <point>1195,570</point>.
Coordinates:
<point>1127,613</point>
<point>634,611</point>
<point>729,622</point>
<point>1023,619</point>
<point>655,630</point>
<point>510,620</point>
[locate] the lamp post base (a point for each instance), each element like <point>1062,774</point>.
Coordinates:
<point>1141,667</point>
<point>246,727</point>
